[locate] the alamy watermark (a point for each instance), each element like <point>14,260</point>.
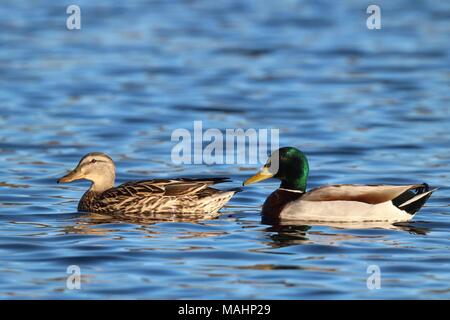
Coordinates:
<point>73,281</point>
<point>73,22</point>
<point>374,20</point>
<point>374,280</point>
<point>229,146</point>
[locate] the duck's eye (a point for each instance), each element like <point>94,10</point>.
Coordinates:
<point>93,161</point>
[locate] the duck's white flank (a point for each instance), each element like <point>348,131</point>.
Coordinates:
<point>339,211</point>
<point>352,203</point>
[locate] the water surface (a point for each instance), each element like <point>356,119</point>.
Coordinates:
<point>365,106</point>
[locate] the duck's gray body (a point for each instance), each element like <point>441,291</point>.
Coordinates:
<point>350,203</point>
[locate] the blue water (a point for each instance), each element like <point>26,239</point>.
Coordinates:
<point>366,106</point>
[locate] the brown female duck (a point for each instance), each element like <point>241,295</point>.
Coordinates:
<point>160,196</point>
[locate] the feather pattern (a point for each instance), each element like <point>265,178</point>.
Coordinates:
<point>190,196</point>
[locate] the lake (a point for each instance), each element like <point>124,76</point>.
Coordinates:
<point>365,106</point>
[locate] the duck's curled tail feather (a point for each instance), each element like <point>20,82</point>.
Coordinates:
<point>412,200</point>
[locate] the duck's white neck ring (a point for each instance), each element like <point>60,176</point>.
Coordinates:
<point>291,190</point>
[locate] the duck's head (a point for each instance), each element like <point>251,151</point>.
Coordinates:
<point>95,167</point>
<point>289,165</point>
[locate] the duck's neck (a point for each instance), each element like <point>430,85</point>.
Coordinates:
<point>103,183</point>
<point>295,184</point>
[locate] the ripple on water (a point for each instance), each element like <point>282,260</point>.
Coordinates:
<point>365,108</point>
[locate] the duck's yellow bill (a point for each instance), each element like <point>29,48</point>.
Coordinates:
<point>264,174</point>
<point>71,176</point>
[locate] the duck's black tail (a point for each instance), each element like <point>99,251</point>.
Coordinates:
<point>412,200</point>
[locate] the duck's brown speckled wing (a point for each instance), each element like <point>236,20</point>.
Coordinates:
<point>159,195</point>
<point>172,187</point>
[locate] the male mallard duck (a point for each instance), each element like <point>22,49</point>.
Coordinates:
<point>351,203</point>
<point>177,196</point>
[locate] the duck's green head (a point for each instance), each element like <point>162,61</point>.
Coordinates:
<point>287,164</point>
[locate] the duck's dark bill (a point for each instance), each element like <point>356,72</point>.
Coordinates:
<point>264,174</point>
<point>71,176</point>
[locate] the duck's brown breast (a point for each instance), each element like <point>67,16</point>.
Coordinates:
<point>87,202</point>
<point>275,203</point>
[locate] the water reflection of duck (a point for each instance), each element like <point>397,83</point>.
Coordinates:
<point>334,203</point>
<point>161,197</point>
<point>294,233</point>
